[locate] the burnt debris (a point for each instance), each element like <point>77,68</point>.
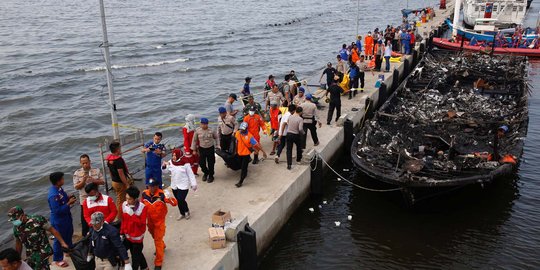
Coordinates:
<point>457,116</point>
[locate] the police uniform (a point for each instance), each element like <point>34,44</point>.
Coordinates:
<point>153,162</point>
<point>61,219</point>
<point>205,139</point>
<point>32,234</point>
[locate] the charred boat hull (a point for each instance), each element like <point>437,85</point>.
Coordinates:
<point>438,131</point>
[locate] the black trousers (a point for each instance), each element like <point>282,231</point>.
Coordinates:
<point>378,62</point>
<point>313,130</point>
<point>225,141</point>
<point>361,76</point>
<point>84,225</point>
<point>244,161</point>
<point>294,139</point>
<point>207,159</point>
<point>180,195</point>
<point>332,106</point>
<point>138,261</point>
<point>281,145</point>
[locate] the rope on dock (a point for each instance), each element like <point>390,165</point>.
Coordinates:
<point>352,183</point>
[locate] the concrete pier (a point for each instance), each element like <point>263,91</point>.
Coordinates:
<point>271,193</point>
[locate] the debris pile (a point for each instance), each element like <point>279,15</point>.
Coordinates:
<point>455,116</point>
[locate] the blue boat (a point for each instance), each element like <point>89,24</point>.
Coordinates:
<point>489,36</point>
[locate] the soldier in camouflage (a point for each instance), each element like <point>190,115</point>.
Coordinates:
<point>31,231</point>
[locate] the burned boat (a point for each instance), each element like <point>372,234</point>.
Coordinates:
<point>456,120</point>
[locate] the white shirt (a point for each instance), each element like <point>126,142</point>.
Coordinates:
<point>283,121</point>
<point>182,177</point>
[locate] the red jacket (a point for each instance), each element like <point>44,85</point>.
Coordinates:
<point>134,226</point>
<point>103,204</point>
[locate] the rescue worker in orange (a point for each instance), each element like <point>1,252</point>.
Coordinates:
<point>246,144</point>
<point>155,200</point>
<point>368,44</point>
<point>255,124</point>
<point>355,54</point>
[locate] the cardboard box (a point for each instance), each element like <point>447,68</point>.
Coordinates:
<point>216,237</point>
<point>219,218</point>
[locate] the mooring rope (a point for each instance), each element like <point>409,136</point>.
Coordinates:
<point>352,183</point>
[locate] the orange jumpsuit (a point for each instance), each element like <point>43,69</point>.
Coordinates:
<point>255,124</point>
<point>157,212</point>
<point>368,44</point>
<point>355,56</point>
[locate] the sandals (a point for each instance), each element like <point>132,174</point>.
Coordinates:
<point>62,264</point>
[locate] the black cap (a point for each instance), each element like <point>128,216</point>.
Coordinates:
<point>233,96</point>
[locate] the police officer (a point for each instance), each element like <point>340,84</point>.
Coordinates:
<point>30,231</point>
<point>203,142</point>
<point>309,113</point>
<point>227,125</point>
<point>106,244</point>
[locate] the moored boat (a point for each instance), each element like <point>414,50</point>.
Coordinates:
<point>456,46</point>
<point>456,120</point>
<point>507,12</point>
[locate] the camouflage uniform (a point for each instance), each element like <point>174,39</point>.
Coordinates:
<point>33,235</point>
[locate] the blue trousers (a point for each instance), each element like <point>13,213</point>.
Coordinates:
<point>154,173</point>
<point>65,228</point>
<point>387,63</point>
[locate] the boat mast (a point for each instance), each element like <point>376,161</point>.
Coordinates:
<point>105,45</point>
<point>457,8</point>
<point>357,16</point>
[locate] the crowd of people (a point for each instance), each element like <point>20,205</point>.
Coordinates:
<point>116,226</point>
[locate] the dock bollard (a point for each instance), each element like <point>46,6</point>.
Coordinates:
<point>415,58</point>
<point>395,81</point>
<point>247,248</point>
<point>406,68</point>
<point>348,128</point>
<point>382,96</point>
<point>316,183</point>
<point>422,48</point>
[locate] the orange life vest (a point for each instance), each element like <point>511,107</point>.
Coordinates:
<point>243,143</point>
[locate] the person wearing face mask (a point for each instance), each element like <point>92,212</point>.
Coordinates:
<point>61,220</point>
<point>30,232</point>
<point>368,45</point>
<point>182,178</point>
<point>83,176</point>
<point>134,226</point>
<point>255,124</point>
<point>97,202</point>
<point>246,143</point>
<point>106,244</point>
<point>189,132</point>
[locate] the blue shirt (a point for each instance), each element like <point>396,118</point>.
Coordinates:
<point>58,203</point>
<point>344,54</point>
<point>152,159</point>
<point>359,45</point>
<point>246,90</point>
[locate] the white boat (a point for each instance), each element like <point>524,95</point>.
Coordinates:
<point>505,12</point>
